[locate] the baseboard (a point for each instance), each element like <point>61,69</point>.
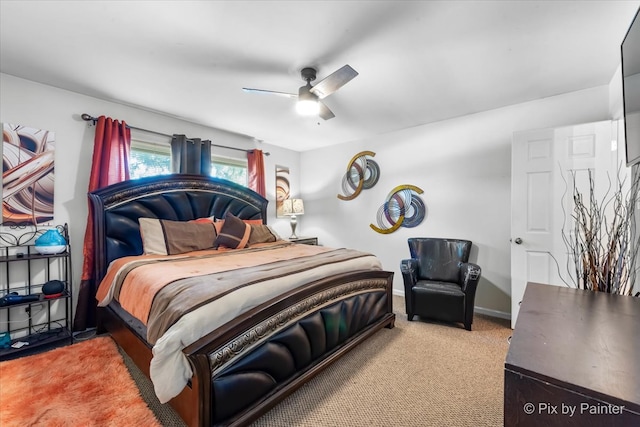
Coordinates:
<point>479,310</point>
<point>492,313</point>
<point>397,292</point>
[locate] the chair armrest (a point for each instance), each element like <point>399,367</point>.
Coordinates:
<point>409,270</point>
<point>469,277</point>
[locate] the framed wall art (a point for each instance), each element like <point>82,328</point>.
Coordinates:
<point>27,174</point>
<point>282,189</point>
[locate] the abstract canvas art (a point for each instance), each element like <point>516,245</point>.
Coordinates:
<point>27,174</point>
<point>282,189</point>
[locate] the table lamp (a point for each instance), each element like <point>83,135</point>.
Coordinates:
<point>293,207</point>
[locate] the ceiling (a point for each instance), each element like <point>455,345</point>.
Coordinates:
<point>418,61</point>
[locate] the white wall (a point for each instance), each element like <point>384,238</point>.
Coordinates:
<point>463,165</point>
<point>45,107</point>
<point>615,95</point>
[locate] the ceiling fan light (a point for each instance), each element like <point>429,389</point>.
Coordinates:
<point>307,104</point>
<point>308,107</point>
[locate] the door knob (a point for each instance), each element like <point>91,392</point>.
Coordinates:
<point>518,241</point>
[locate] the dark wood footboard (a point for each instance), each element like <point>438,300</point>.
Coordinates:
<point>335,313</point>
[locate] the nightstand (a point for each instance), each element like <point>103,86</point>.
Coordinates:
<point>305,240</point>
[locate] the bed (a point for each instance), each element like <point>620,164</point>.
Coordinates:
<point>286,326</point>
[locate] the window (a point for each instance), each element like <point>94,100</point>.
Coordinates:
<point>149,159</point>
<point>232,169</point>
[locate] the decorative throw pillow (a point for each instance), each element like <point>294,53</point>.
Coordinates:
<point>220,222</point>
<point>234,233</point>
<point>166,237</point>
<point>262,233</point>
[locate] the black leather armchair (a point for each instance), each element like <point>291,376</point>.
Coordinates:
<point>439,282</point>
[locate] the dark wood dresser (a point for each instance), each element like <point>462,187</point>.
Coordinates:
<point>574,360</point>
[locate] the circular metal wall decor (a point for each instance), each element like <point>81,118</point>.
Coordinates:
<point>403,208</point>
<point>362,173</point>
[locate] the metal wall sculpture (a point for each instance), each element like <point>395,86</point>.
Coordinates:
<point>362,173</point>
<point>27,175</point>
<point>403,208</point>
<point>282,188</point>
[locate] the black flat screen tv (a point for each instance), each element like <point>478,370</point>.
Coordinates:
<point>630,50</point>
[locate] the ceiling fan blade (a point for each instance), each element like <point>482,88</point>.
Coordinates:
<point>269,92</point>
<point>325,112</point>
<point>334,81</point>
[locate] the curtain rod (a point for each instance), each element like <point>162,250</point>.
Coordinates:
<point>88,118</point>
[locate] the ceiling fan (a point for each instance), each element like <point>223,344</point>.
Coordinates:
<point>309,96</point>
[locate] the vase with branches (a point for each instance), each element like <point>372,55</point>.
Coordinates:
<point>603,243</point>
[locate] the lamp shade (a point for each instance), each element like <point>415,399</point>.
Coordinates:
<point>293,207</point>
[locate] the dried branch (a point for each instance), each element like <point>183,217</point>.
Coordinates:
<point>604,244</point>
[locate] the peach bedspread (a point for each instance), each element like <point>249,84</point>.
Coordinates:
<point>266,270</point>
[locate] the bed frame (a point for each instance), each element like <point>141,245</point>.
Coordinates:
<point>244,368</point>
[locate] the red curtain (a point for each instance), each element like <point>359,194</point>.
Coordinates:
<point>255,160</point>
<point>110,165</point>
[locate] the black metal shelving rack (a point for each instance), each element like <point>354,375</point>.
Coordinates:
<point>47,321</point>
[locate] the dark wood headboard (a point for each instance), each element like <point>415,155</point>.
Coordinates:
<point>177,197</point>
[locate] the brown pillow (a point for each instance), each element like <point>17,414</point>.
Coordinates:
<point>234,233</point>
<point>220,222</point>
<point>166,237</point>
<point>262,233</point>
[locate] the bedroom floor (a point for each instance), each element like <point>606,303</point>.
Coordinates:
<point>409,374</point>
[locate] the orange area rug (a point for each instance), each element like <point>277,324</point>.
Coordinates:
<point>84,384</point>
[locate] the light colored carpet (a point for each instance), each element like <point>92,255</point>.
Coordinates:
<point>420,373</point>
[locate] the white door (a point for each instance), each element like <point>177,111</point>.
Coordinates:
<point>543,165</point>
